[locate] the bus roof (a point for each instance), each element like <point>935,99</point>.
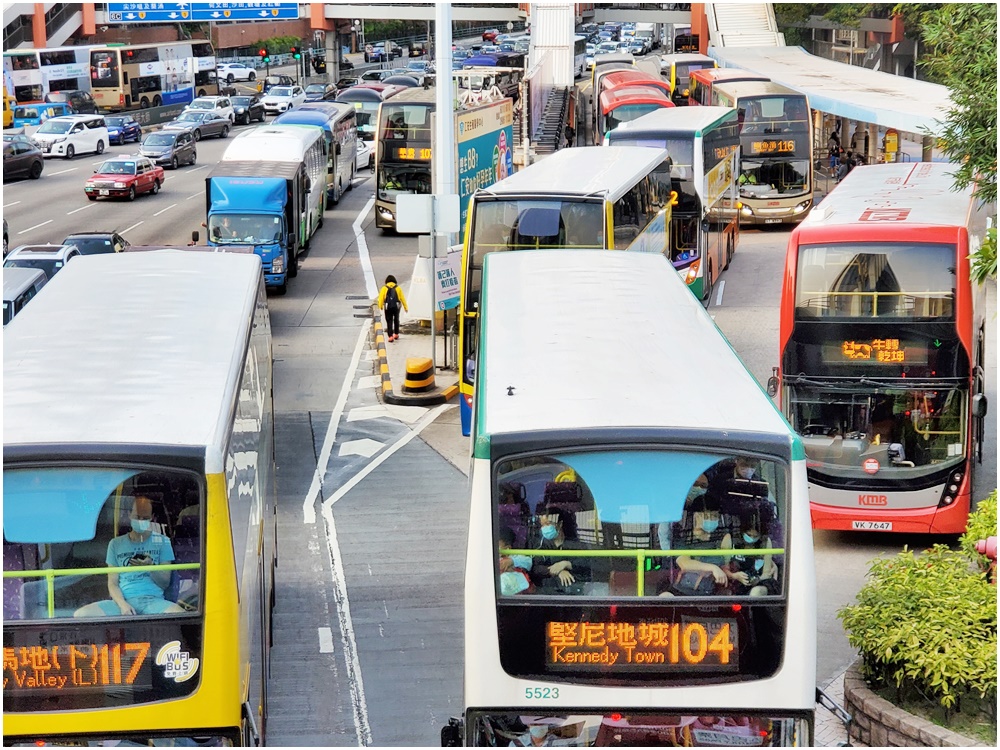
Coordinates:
<point>741,89</point>
<point>719,75</point>
<point>272,143</point>
<point>131,349</point>
<point>919,193</point>
<point>330,110</point>
<point>632,77</point>
<point>685,57</point>
<point>639,95</point>
<point>416,95</point>
<point>369,92</point>
<point>593,364</point>
<point>674,120</point>
<point>581,172</point>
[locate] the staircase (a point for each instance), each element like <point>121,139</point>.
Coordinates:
<point>548,133</point>
<point>742,25</point>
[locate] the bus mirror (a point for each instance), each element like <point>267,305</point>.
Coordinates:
<point>451,734</point>
<point>979,405</point>
<point>195,237</point>
<point>772,383</point>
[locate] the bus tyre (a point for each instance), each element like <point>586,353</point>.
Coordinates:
<point>709,286</point>
<point>100,147</point>
<point>144,103</point>
<point>729,252</point>
<point>354,173</point>
<point>157,101</point>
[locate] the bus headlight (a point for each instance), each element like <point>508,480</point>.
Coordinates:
<point>745,210</point>
<point>803,206</point>
<point>692,272</point>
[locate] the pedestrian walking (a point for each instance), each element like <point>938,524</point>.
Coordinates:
<point>390,298</point>
<point>570,135</point>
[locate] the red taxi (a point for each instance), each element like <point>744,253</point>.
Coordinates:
<point>124,177</point>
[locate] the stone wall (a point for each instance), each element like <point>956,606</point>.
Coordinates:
<point>878,723</point>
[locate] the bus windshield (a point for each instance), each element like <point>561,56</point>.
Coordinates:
<point>627,113</point>
<point>907,432</point>
<point>85,542</point>
<point>774,139</point>
<point>104,68</point>
<point>611,518</point>
<point>890,280</point>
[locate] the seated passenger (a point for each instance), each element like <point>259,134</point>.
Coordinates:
<point>702,575</point>
<point>699,488</point>
<point>558,530</point>
<point>753,575</point>
<point>514,569</point>
<point>140,592</point>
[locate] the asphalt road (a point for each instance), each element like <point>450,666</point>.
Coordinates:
<point>371,524</point>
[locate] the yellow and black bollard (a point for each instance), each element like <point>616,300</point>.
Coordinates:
<point>419,375</point>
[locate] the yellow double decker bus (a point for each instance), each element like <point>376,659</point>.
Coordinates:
<point>139,505</point>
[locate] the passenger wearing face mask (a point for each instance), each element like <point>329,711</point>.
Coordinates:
<point>558,531</point>
<point>753,575</point>
<point>702,575</point>
<point>139,592</point>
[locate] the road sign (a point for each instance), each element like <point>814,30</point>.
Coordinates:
<point>199,12</point>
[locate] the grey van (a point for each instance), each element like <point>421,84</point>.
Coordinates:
<point>170,148</point>
<point>19,286</point>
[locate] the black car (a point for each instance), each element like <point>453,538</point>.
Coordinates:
<point>321,92</point>
<point>22,159</point>
<point>96,243</point>
<point>346,83</point>
<point>248,109</point>
<point>81,102</point>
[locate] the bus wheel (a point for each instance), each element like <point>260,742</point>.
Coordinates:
<point>144,103</point>
<point>354,173</point>
<point>709,286</point>
<point>157,101</point>
<point>729,251</point>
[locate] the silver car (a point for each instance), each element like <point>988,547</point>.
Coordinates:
<point>170,148</point>
<point>202,124</point>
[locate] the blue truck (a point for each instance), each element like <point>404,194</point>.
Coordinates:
<point>260,203</point>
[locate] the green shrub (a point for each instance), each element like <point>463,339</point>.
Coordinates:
<point>982,523</point>
<point>928,622</point>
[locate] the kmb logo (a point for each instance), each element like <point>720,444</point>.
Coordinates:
<point>873,500</point>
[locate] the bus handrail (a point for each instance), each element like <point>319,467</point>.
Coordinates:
<point>640,556</point>
<point>50,576</point>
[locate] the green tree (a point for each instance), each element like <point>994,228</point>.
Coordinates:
<point>963,56</point>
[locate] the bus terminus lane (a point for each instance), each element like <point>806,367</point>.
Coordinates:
<point>639,569</point>
<point>139,504</point>
<point>883,349</point>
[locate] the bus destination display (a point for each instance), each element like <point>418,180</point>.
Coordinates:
<point>874,351</point>
<point>786,146</point>
<point>706,643</point>
<point>81,665</point>
<point>406,154</point>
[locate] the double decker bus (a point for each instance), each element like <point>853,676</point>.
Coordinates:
<point>703,79</point>
<point>624,104</point>
<point>136,76</point>
<point>883,348</point>
<point>139,505</point>
<point>677,69</point>
<point>701,145</point>
<point>34,73</point>
<point>776,150</point>
<point>403,150</point>
<point>612,199</point>
<point>591,519</point>
<point>366,99</point>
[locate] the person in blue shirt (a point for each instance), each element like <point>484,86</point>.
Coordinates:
<point>140,592</point>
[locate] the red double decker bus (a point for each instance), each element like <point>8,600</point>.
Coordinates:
<point>882,342</point>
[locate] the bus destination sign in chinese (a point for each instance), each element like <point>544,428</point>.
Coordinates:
<point>888,351</point>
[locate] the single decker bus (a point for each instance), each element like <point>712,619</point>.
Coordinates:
<point>883,349</point>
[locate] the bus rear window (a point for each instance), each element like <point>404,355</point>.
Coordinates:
<point>876,280</point>
<point>84,543</point>
<point>104,69</point>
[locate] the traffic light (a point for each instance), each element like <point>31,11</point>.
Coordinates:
<point>264,55</point>
<point>296,53</point>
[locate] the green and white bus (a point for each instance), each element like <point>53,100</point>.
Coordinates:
<point>628,581</point>
<point>701,145</point>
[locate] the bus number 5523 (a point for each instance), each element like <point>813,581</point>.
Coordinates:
<point>540,693</point>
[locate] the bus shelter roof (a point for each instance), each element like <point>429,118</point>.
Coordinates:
<point>846,90</point>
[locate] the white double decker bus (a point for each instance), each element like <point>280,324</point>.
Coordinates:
<point>640,566</point>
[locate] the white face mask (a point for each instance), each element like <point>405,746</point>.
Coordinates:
<point>747,472</point>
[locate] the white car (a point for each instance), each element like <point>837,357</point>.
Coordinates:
<point>69,135</point>
<point>235,71</point>
<point>364,158</point>
<point>221,105</point>
<point>283,98</point>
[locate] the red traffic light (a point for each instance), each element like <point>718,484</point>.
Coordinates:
<point>262,52</point>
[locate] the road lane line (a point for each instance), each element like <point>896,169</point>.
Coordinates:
<point>195,169</point>
<point>35,227</point>
<point>81,208</point>
<point>8,205</point>
<point>194,195</point>
<point>132,227</point>
<point>71,169</point>
<point>164,210</point>
<point>325,640</point>
<point>366,261</point>
<point>309,504</point>
<point>718,297</point>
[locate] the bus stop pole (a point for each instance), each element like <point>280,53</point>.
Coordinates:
<point>443,158</point>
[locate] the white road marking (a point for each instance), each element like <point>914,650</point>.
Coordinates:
<point>195,169</point>
<point>81,208</point>
<point>8,205</point>
<point>194,195</point>
<point>366,261</point>
<point>309,504</point>
<point>370,381</point>
<point>365,447</point>
<point>325,640</point>
<point>64,171</point>
<point>408,414</point>
<point>718,297</point>
<point>35,227</point>
<point>165,209</point>
<point>132,227</point>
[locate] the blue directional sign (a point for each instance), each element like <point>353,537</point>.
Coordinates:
<point>182,12</point>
